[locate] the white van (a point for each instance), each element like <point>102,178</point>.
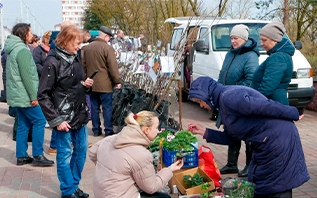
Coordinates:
<point>212,40</point>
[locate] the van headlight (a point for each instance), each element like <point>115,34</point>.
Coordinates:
<point>304,73</point>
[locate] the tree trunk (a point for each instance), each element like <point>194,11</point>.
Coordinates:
<point>286,14</point>
<point>222,7</point>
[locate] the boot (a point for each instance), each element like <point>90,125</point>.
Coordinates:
<point>248,153</point>
<point>42,161</point>
<point>233,154</point>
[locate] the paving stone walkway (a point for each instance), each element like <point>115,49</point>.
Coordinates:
<point>33,182</point>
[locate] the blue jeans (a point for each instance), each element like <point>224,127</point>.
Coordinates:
<point>105,100</point>
<point>70,161</point>
<point>53,140</point>
<point>89,106</point>
<point>27,117</point>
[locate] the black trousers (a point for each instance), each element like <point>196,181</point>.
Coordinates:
<point>155,195</point>
<point>285,194</point>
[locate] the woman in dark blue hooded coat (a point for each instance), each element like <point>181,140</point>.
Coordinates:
<point>278,163</point>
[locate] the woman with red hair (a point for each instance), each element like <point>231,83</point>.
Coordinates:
<point>62,96</point>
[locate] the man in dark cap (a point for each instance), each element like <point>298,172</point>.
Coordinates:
<point>99,55</point>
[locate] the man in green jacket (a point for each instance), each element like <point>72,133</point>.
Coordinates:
<point>22,85</point>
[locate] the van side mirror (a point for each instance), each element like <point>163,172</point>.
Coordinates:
<point>200,46</point>
<point>298,45</point>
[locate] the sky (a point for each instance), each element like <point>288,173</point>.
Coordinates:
<point>47,13</point>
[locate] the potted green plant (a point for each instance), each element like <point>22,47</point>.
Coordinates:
<point>181,141</point>
<point>197,180</point>
<point>205,188</point>
<point>238,188</point>
<point>194,180</point>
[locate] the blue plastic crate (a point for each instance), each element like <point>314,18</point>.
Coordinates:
<point>190,160</point>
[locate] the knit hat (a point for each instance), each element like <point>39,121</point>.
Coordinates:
<point>274,30</point>
<point>241,31</point>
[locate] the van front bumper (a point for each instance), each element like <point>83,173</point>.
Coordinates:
<point>301,97</point>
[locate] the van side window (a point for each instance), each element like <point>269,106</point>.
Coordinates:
<point>221,38</point>
<point>177,33</point>
<point>204,36</point>
<point>192,35</point>
<point>220,35</point>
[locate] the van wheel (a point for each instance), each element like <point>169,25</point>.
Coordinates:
<point>300,110</point>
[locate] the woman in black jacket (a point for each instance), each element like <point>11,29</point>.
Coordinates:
<point>62,96</point>
<point>40,52</point>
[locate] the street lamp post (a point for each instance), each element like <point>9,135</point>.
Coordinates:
<point>21,10</point>
<point>1,21</point>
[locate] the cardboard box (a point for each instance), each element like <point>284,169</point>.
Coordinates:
<point>172,181</point>
<point>184,189</point>
<point>198,196</point>
<point>190,196</point>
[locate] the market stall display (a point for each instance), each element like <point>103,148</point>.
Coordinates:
<point>147,79</point>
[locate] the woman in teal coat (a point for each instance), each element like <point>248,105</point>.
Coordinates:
<point>237,69</point>
<point>273,76</point>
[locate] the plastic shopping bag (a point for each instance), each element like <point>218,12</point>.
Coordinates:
<point>208,163</point>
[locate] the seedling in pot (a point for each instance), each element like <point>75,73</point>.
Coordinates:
<point>180,155</point>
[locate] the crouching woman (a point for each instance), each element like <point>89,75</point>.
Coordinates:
<point>124,167</point>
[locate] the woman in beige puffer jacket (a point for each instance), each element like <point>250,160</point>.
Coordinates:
<point>124,166</point>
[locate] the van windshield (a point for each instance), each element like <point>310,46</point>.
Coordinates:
<point>220,35</point>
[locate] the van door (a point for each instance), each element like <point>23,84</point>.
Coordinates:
<point>204,64</point>
<point>187,68</point>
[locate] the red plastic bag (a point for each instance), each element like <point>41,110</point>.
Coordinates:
<point>208,163</point>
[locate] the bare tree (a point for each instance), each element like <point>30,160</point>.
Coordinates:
<point>268,9</point>
<point>286,14</point>
<point>239,9</point>
<point>146,16</point>
<point>222,7</point>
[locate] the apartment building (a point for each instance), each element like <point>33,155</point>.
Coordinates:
<point>74,11</point>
